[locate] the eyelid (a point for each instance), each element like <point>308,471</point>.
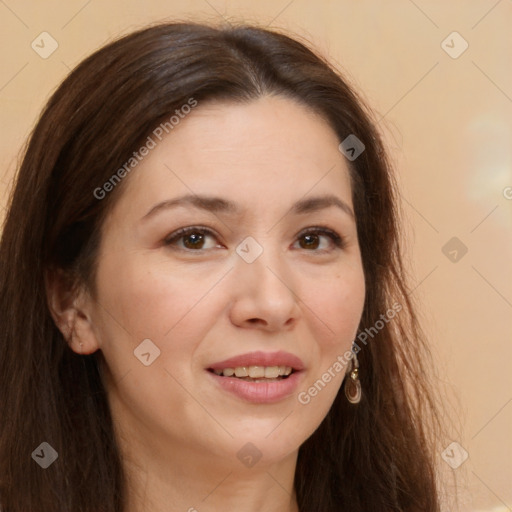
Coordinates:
<point>179,233</point>
<point>338,240</point>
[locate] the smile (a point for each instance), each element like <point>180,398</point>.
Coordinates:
<point>259,377</point>
<point>262,373</point>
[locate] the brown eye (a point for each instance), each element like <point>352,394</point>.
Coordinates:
<point>193,238</point>
<point>196,240</point>
<point>312,239</point>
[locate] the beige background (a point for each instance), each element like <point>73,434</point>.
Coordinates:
<point>448,124</point>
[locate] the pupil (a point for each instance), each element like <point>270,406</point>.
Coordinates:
<point>194,244</point>
<point>313,238</point>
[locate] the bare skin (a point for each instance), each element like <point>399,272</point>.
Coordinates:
<point>200,302</point>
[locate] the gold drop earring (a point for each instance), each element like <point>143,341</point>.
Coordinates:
<point>352,386</point>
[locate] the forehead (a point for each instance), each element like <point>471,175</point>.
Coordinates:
<point>268,151</point>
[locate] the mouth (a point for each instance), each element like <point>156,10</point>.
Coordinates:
<point>259,377</point>
<point>256,373</point>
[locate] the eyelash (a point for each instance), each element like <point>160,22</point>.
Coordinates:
<point>337,240</point>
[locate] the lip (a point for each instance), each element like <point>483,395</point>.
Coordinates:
<point>260,392</point>
<point>259,358</point>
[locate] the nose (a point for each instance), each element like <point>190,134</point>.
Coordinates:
<point>263,293</point>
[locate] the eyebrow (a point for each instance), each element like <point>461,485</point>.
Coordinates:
<point>220,205</point>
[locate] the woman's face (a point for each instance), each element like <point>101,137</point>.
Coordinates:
<point>247,281</point>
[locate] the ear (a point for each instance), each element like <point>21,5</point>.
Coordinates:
<point>71,309</point>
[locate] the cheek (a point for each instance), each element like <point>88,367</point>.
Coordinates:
<point>338,305</point>
<point>140,302</point>
<point>147,304</point>
<point>149,298</point>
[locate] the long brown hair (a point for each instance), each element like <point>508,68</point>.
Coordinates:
<point>376,455</point>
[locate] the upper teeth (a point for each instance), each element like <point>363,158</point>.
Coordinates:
<point>255,372</point>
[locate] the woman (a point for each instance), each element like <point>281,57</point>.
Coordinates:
<point>203,304</point>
